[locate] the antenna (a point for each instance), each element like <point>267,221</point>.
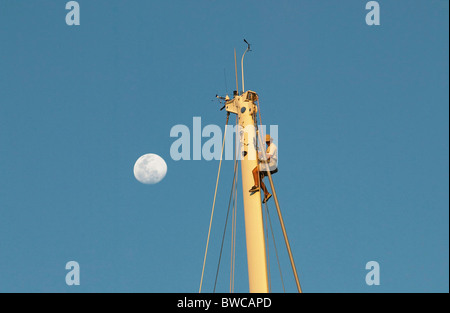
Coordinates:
<point>225,77</point>
<point>247,44</point>
<point>242,64</point>
<point>235,70</point>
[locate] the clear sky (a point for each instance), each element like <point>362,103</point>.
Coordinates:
<point>363,121</point>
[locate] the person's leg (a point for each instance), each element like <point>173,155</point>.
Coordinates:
<point>267,195</point>
<point>263,186</point>
<point>255,173</point>
<point>255,187</point>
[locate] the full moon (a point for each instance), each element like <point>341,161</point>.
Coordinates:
<point>150,169</point>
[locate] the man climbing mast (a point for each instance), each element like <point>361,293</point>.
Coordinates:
<point>264,166</point>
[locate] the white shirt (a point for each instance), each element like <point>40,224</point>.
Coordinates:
<point>272,155</point>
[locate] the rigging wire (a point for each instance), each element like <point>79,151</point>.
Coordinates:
<point>274,245</point>
<point>267,249</point>
<point>234,240</point>
<point>259,178</point>
<point>225,227</point>
<point>266,230</point>
<point>283,228</point>
<point>214,203</point>
<point>233,223</point>
<point>225,77</point>
<point>233,231</point>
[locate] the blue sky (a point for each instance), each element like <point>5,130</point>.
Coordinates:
<point>363,142</point>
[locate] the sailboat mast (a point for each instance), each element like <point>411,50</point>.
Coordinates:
<point>244,105</point>
<point>254,226</point>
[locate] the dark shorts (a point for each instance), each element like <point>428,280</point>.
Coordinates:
<point>266,173</point>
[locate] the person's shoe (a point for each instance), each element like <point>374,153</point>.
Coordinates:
<point>266,198</point>
<point>254,189</point>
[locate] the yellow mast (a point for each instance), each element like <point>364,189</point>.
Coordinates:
<point>245,107</point>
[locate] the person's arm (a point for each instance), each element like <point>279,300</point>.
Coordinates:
<point>261,157</point>
<point>268,156</point>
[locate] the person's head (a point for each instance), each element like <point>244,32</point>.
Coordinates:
<point>268,140</point>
